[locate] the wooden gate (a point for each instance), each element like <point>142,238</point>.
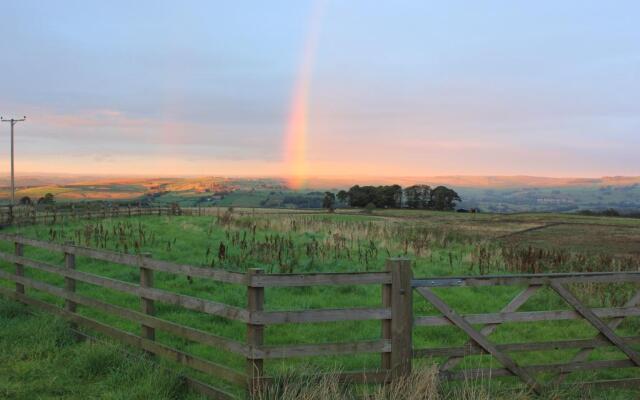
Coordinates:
<point>604,320</point>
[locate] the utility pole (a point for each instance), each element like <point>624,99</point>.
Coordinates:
<point>13,122</point>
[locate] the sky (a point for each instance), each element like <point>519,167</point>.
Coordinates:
<point>327,87</point>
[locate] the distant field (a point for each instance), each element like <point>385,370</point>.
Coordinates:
<point>609,239</point>
<point>623,197</point>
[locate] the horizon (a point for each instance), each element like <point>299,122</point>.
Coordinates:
<point>301,90</point>
<point>323,182</point>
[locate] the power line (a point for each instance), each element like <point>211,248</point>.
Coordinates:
<point>13,122</point>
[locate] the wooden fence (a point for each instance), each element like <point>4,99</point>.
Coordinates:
<point>28,215</point>
<point>398,323</point>
<point>604,320</point>
<point>46,214</point>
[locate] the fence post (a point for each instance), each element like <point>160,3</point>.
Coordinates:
<point>19,251</point>
<point>401,316</point>
<point>255,333</point>
<point>147,305</point>
<point>70,283</point>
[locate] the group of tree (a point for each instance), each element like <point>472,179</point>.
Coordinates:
<point>379,196</point>
<point>610,212</point>
<point>439,198</point>
<point>46,199</point>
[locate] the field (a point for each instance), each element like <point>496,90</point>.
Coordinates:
<point>40,358</point>
<point>439,244</point>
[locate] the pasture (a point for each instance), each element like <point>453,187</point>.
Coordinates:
<point>438,244</point>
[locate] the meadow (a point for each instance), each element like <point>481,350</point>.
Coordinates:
<point>439,244</point>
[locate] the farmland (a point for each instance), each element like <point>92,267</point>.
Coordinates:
<point>439,244</point>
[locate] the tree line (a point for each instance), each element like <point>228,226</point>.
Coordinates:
<point>439,198</point>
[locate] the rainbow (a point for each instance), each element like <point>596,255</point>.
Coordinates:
<point>295,141</point>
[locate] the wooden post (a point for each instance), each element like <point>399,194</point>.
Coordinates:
<point>70,283</point>
<point>401,316</point>
<point>148,306</point>
<point>19,251</point>
<point>255,333</point>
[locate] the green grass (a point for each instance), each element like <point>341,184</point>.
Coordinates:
<point>439,244</point>
<point>41,359</point>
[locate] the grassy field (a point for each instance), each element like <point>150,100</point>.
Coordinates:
<point>41,359</point>
<point>440,244</point>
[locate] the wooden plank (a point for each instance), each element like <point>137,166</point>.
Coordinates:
<point>136,341</point>
<point>191,303</point>
<point>470,348</point>
<point>350,377</point>
<point>401,316</point>
<point>482,341</point>
<point>70,283</point>
<point>526,279</point>
<point>135,316</point>
<point>488,329</point>
<point>597,323</point>
<point>131,260</point>
<point>586,351</point>
<point>255,335</point>
<point>294,280</point>
<point>484,373</point>
<point>627,383</point>
<point>324,315</point>
<point>146,304</point>
<point>324,349</point>
<point>528,316</point>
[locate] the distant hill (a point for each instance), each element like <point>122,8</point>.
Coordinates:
<point>320,182</point>
<point>521,181</point>
<point>490,193</point>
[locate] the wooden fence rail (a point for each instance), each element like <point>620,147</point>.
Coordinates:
<point>27,215</point>
<point>254,314</point>
<point>398,324</point>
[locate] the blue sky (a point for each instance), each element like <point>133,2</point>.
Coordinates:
<point>397,87</point>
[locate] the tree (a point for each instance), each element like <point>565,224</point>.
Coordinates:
<point>343,197</point>
<point>368,209</point>
<point>443,199</point>
<point>418,196</point>
<point>380,196</point>
<point>329,201</point>
<point>388,196</point>
<point>25,201</point>
<point>47,199</point>
<point>358,196</point>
